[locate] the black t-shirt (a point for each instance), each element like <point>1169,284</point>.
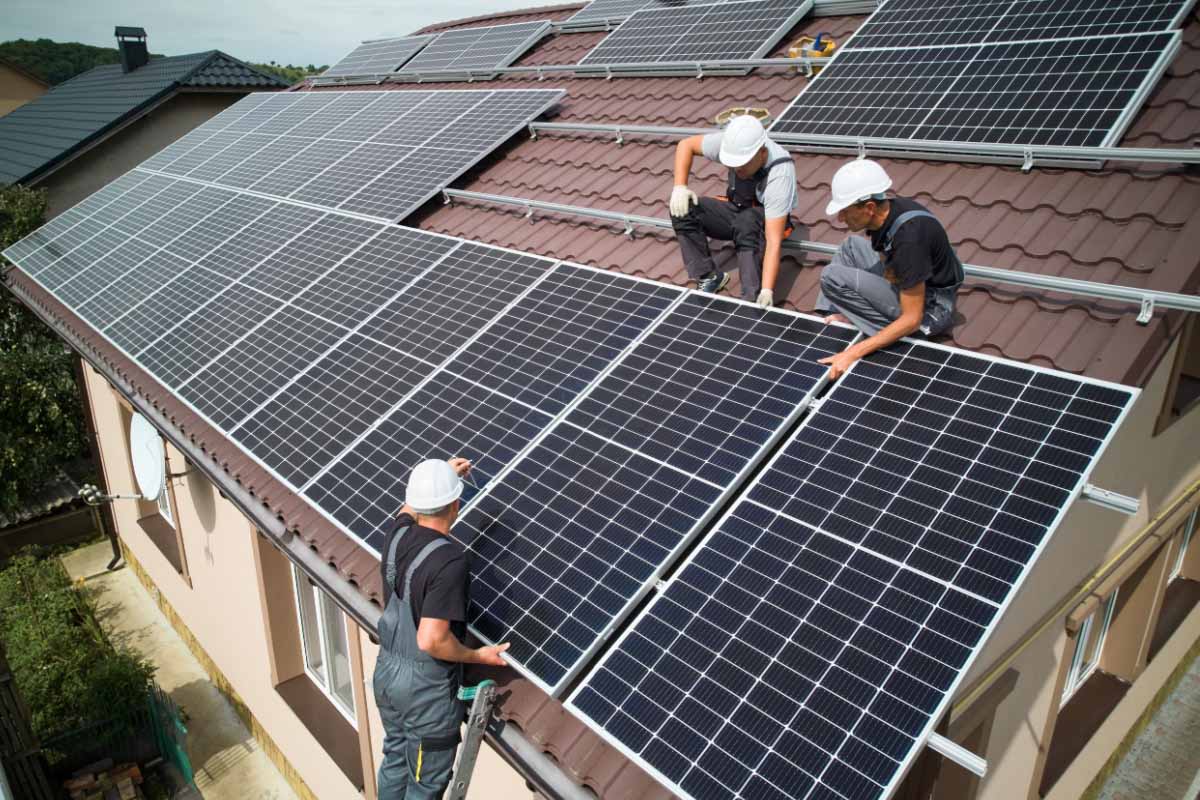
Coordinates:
<point>441,585</point>
<point>921,251</point>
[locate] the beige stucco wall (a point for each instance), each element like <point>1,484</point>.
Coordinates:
<point>17,89</point>
<point>130,146</point>
<point>1137,463</point>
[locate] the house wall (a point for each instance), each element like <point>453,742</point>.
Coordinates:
<point>130,146</point>
<point>1154,469</point>
<point>236,601</point>
<point>17,89</point>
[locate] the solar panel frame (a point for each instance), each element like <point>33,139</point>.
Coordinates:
<point>919,741</point>
<point>378,56</point>
<point>1021,122</point>
<point>517,37</point>
<point>760,25</point>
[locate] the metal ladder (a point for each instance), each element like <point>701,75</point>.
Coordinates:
<point>482,698</point>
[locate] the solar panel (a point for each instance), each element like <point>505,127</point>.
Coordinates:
<point>811,642</point>
<point>1071,92</point>
<point>565,544</point>
<point>378,57</point>
<point>377,153</point>
<point>598,12</point>
<point>723,31</point>
<point>476,49</point>
<point>925,23</point>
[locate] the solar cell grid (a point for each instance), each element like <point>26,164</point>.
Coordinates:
<point>380,56</point>
<point>342,177</point>
<point>309,104</point>
<point>218,225</point>
<point>144,323</point>
<point>120,279</point>
<point>266,159</point>
<point>442,110</point>
<point>447,416</point>
<point>385,110</point>
<point>346,107</point>
<point>1072,92</point>
<point>476,48</point>
<point>599,10</point>
<point>174,213</point>
<point>309,256</point>
<point>194,157</point>
<point>221,162</point>
<point>252,239</point>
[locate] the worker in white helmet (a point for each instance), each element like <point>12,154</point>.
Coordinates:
<point>753,214</point>
<point>426,588</point>
<point>904,278</point>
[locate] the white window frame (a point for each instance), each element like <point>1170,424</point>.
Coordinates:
<point>301,583</point>
<point>1184,542</point>
<point>164,497</point>
<point>1079,671</point>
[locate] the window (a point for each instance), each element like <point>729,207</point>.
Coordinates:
<point>164,497</point>
<point>1183,390</point>
<point>1184,541</point>
<point>1089,644</point>
<point>326,646</point>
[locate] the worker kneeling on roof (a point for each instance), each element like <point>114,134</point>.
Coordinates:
<point>753,214</point>
<point>427,586</point>
<point>904,279</point>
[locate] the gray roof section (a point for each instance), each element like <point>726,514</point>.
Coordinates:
<point>74,113</point>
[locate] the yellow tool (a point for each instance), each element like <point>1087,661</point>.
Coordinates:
<point>807,47</point>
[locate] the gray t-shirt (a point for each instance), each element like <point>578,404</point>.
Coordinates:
<point>778,195</point>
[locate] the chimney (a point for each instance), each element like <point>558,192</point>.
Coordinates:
<point>132,44</point>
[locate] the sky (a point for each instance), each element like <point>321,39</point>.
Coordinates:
<point>286,31</point>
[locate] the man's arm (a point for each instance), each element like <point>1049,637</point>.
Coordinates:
<point>774,229</point>
<point>435,638</point>
<point>685,151</point>
<point>912,309</point>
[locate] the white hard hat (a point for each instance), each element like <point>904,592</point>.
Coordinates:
<point>432,485</point>
<point>743,137</point>
<point>857,181</point>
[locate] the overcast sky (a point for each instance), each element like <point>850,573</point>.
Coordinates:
<point>289,32</point>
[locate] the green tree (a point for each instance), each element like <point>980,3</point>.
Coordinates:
<point>41,419</point>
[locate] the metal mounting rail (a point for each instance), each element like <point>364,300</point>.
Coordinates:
<point>1027,156</point>
<point>1147,299</point>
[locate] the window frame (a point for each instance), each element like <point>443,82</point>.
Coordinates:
<point>301,583</point>
<point>1185,541</point>
<point>163,502</point>
<point>1078,671</point>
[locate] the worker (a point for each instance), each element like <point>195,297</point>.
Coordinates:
<point>904,279</point>
<point>421,650</point>
<point>753,214</point>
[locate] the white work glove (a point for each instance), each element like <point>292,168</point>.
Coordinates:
<point>766,298</point>
<point>681,199</point>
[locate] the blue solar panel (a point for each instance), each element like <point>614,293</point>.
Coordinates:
<point>810,642</point>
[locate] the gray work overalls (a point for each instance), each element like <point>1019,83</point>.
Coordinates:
<point>417,695</point>
<point>853,284</point>
<point>736,217</point>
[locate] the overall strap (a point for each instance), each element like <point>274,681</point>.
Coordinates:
<point>750,185</point>
<point>899,221</point>
<point>389,563</point>
<point>416,562</point>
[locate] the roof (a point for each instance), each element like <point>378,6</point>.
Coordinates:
<point>1131,224</point>
<point>78,112</point>
<point>60,491</point>
<point>22,71</point>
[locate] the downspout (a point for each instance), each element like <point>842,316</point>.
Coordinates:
<point>538,768</point>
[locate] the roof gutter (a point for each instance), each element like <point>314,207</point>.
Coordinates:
<point>538,768</point>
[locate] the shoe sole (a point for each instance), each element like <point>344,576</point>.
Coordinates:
<point>724,282</point>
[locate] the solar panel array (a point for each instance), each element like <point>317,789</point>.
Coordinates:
<point>724,31</point>
<point>1025,72</point>
<point>612,10</point>
<point>477,49</point>
<point>1071,92</point>
<point>926,23</point>
<point>378,57</point>
<point>378,153</point>
<point>810,643</point>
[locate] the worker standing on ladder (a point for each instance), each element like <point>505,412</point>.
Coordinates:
<point>904,279</point>
<point>754,213</point>
<point>426,589</point>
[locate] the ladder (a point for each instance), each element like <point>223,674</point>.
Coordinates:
<point>482,698</point>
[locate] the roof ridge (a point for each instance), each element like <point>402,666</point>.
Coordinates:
<point>214,54</point>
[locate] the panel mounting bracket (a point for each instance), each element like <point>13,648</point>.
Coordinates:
<point>532,131</point>
<point>1147,311</point>
<point>958,754</point>
<point>1111,500</point>
<point>620,138</point>
<point>1027,159</point>
<point>862,148</point>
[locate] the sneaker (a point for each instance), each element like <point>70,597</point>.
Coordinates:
<point>713,282</point>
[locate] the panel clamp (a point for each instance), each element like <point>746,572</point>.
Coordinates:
<point>958,754</point>
<point>1027,159</point>
<point>620,138</point>
<point>1111,500</point>
<point>532,131</point>
<point>1147,312</point>
<point>862,148</point>
<point>446,198</point>
<point>529,214</point>
<point>628,228</point>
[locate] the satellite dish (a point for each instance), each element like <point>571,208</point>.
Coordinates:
<point>146,448</point>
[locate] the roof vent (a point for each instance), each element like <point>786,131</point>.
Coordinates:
<point>132,44</point>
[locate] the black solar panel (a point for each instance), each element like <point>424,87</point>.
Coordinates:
<point>1072,92</point>
<point>378,57</point>
<point>811,641</point>
<point>926,23</point>
<point>477,49</point>
<point>698,32</point>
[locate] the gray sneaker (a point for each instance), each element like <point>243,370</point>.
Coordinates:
<point>713,282</point>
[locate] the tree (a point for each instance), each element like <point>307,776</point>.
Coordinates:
<point>41,416</point>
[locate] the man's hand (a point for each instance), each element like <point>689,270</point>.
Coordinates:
<point>682,198</point>
<point>837,318</point>
<point>840,362</point>
<point>491,655</point>
<point>461,466</point>
<point>766,298</point>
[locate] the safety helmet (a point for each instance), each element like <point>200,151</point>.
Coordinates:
<point>743,137</point>
<point>432,486</point>
<point>859,180</point>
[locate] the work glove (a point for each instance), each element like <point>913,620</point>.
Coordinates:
<point>681,199</point>
<point>766,298</point>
